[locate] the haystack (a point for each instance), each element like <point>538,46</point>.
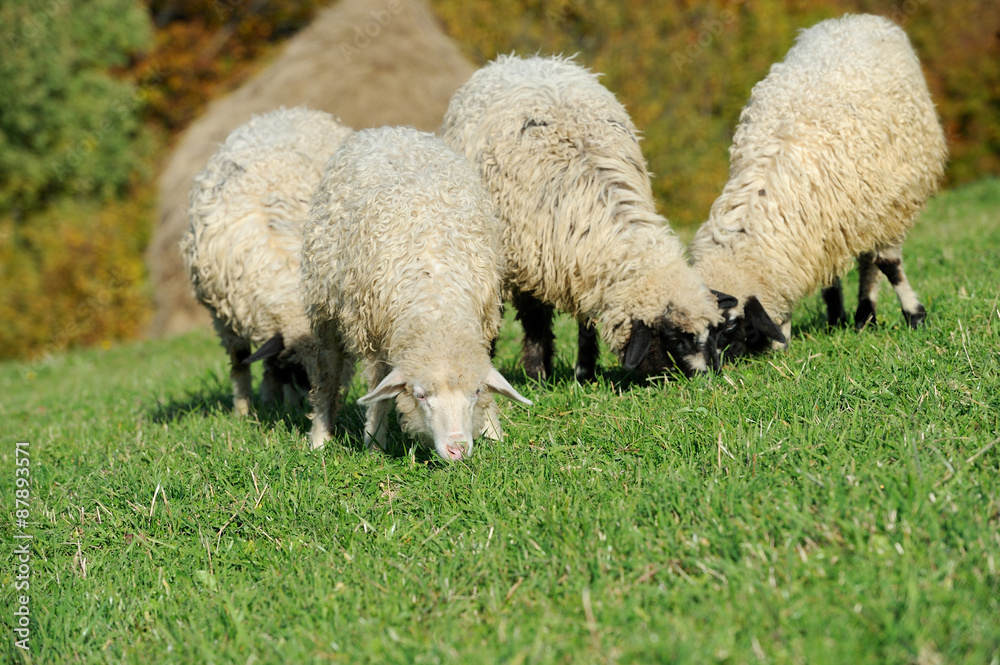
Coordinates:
<point>371,62</point>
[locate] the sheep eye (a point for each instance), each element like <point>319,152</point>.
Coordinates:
<point>419,394</point>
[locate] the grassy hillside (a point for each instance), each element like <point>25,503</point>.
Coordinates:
<point>839,503</point>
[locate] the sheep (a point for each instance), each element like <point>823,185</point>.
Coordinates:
<point>561,158</point>
<point>402,267</point>
<point>244,239</point>
<point>835,155</point>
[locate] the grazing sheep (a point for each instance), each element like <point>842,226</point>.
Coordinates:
<point>244,239</point>
<point>835,155</point>
<point>561,158</point>
<point>401,266</point>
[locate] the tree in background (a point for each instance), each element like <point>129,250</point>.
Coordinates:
<point>73,149</point>
<point>96,89</point>
<point>207,47</point>
<point>68,126</point>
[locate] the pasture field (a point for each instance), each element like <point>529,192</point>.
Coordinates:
<point>838,503</point>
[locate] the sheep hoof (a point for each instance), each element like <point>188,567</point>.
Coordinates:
<point>916,319</point>
<point>535,372</point>
<point>318,437</point>
<point>537,361</point>
<point>372,448</point>
<point>838,320</point>
<point>865,316</point>
<point>241,407</point>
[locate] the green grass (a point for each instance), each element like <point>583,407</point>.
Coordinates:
<point>839,503</point>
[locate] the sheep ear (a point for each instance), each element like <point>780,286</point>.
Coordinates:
<point>388,388</point>
<point>638,344</point>
<point>760,323</point>
<point>268,349</point>
<point>497,384</point>
<point>725,300</point>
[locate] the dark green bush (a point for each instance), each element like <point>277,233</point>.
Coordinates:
<point>73,156</point>
<point>68,125</point>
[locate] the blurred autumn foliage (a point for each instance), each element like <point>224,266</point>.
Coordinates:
<point>206,47</point>
<point>684,69</point>
<point>94,91</point>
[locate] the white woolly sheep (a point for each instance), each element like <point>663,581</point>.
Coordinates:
<point>244,240</point>
<point>401,267</point>
<point>561,158</point>
<point>834,157</point>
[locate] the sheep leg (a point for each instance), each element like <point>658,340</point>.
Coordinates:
<point>868,283</point>
<point>325,379</point>
<point>833,296</point>
<point>587,350</point>
<point>376,416</point>
<point>537,347</point>
<point>271,384</point>
<point>239,372</point>
<point>289,395</point>
<point>890,262</point>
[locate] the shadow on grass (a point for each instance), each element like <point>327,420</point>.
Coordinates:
<point>214,397</point>
<point>616,377</point>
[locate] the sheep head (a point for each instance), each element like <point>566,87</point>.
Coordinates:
<point>664,346</point>
<point>747,332</point>
<point>444,412</point>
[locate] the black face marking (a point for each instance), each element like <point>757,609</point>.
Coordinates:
<point>668,348</point>
<point>761,328</point>
<point>638,345</point>
<point>725,300</point>
<point>745,335</point>
<point>286,368</point>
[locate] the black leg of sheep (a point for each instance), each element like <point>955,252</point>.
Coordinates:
<point>587,350</point>
<point>537,347</point>
<point>833,296</point>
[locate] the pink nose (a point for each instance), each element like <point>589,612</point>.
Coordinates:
<point>457,449</point>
